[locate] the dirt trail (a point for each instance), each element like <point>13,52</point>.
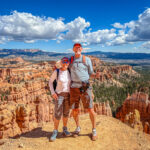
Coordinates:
<point>112,135</point>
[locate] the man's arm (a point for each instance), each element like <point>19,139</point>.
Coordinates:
<point>90,70</point>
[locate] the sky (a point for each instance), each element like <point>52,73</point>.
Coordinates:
<point>55,25</point>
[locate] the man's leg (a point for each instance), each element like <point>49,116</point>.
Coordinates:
<point>74,103</point>
<point>88,104</point>
<point>92,117</point>
<point>76,116</point>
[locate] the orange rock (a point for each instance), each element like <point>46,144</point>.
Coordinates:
<point>137,101</point>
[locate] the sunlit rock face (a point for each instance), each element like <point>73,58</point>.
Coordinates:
<point>137,101</point>
<point>25,101</point>
<point>25,109</point>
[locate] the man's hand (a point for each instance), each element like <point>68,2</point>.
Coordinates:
<point>94,75</point>
<point>55,97</point>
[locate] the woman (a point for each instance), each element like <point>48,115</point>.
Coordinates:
<point>61,96</point>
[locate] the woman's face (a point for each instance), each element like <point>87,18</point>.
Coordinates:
<point>64,65</point>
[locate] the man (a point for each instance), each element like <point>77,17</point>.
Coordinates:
<point>81,69</point>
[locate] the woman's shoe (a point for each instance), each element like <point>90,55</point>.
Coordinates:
<point>54,135</point>
<point>66,132</point>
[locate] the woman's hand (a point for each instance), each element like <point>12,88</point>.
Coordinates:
<point>55,97</point>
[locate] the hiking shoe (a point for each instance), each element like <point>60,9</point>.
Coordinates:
<point>94,135</point>
<point>66,132</point>
<point>54,135</point>
<point>76,132</point>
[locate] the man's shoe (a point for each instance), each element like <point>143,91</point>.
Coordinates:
<point>94,135</point>
<point>54,135</point>
<point>66,132</point>
<point>76,132</point>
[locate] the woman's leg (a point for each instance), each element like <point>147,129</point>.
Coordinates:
<point>58,114</point>
<point>56,124</point>
<point>66,109</point>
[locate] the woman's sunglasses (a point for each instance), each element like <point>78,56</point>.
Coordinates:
<point>65,62</point>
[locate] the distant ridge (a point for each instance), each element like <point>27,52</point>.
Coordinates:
<point>36,53</point>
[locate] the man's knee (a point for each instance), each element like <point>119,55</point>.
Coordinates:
<point>91,111</point>
<point>75,112</point>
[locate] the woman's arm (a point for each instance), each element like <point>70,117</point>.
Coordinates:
<point>51,80</point>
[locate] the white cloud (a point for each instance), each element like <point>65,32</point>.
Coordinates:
<point>118,25</point>
<point>98,37</point>
<point>74,30</point>
<point>138,30</point>
<point>29,28</point>
<point>2,39</point>
<point>85,49</point>
<point>146,45</point>
<point>133,31</point>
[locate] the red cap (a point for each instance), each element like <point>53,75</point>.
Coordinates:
<point>77,44</point>
<point>65,59</point>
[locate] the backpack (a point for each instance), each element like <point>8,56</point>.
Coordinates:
<point>83,59</point>
<point>55,81</point>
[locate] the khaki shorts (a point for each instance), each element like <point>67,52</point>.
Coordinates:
<point>86,98</point>
<point>62,105</point>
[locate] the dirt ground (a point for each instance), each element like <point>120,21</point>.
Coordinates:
<point>112,135</point>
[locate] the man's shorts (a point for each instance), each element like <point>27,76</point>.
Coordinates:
<point>62,105</point>
<point>86,98</point>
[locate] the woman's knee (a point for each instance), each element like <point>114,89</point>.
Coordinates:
<point>58,116</point>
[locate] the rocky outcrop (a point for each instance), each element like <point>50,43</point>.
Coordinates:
<point>111,74</point>
<point>101,108</point>
<point>4,73</point>
<point>133,120</point>
<point>26,108</point>
<point>120,69</point>
<point>137,101</point>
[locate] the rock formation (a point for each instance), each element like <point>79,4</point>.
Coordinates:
<point>137,101</point>
<point>26,108</point>
<point>25,100</point>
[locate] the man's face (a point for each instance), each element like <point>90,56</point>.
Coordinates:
<point>77,50</point>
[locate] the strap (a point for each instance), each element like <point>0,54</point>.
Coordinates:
<point>72,59</point>
<point>57,73</point>
<point>69,71</point>
<point>83,58</point>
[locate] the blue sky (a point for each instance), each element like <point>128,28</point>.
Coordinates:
<point>105,25</point>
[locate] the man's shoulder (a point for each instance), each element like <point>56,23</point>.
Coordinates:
<point>88,59</point>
